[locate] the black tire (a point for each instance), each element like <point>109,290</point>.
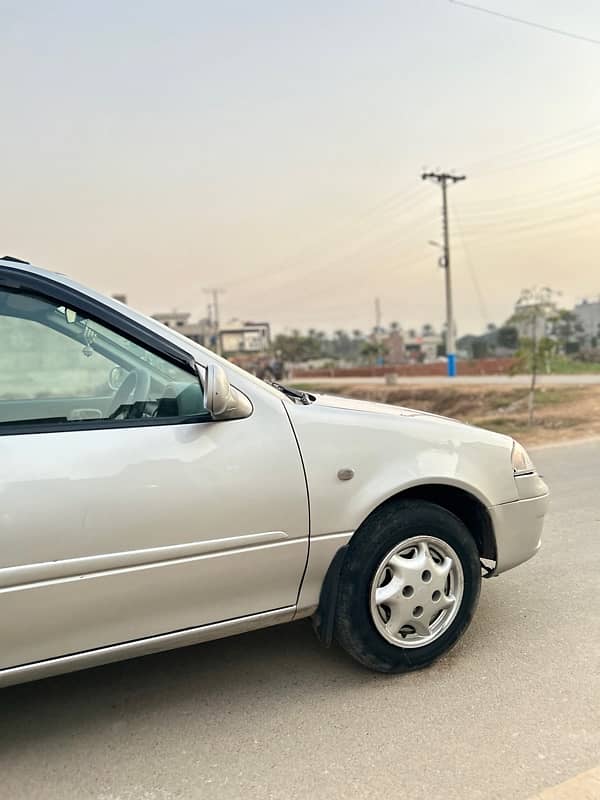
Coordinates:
<point>385,528</point>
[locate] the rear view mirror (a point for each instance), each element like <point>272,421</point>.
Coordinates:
<point>222,400</point>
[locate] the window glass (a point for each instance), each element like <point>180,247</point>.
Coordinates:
<point>58,366</point>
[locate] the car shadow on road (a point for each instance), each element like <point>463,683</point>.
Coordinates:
<point>219,680</point>
<point>267,665</point>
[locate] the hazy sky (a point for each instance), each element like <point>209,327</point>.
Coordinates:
<point>274,149</point>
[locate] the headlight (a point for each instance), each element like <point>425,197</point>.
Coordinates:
<point>522,464</point>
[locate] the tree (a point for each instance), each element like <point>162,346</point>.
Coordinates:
<point>532,311</point>
<point>480,347</point>
<point>296,347</point>
<point>342,344</point>
<point>508,337</point>
<point>440,349</point>
<point>372,351</point>
<point>567,330</point>
<point>355,345</point>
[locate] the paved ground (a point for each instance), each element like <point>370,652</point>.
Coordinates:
<point>509,380</point>
<point>513,709</point>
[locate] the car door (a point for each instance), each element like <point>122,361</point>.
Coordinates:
<point>127,512</point>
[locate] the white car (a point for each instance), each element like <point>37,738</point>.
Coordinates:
<point>153,495</point>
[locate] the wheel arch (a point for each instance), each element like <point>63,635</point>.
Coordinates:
<point>458,501</point>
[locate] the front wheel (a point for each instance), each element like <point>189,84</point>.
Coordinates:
<point>409,586</point>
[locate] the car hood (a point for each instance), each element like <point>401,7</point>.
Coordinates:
<point>391,448</point>
<point>349,404</point>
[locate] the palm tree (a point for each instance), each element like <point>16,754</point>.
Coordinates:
<point>373,351</point>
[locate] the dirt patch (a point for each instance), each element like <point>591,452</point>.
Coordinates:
<point>561,413</point>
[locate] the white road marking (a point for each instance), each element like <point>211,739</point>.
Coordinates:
<point>585,786</point>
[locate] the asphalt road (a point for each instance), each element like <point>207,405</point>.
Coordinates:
<point>441,380</point>
<point>513,709</point>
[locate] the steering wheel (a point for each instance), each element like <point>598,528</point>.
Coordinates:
<point>134,389</point>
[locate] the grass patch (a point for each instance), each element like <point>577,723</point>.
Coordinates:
<point>555,396</point>
<point>507,425</point>
<point>515,425</point>
<point>316,388</point>
<point>567,366</point>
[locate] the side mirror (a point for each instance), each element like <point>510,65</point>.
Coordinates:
<point>222,400</point>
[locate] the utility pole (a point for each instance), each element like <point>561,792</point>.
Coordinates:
<point>378,358</point>
<point>442,179</point>
<point>377,317</point>
<point>214,293</point>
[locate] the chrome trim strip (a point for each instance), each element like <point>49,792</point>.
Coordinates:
<point>87,565</point>
<point>142,647</point>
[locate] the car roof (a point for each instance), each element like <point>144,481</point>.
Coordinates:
<point>12,262</point>
<point>18,266</point>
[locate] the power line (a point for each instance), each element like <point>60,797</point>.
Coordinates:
<point>347,289</point>
<point>554,190</point>
<point>511,229</point>
<point>381,267</point>
<point>409,198</point>
<point>366,227</point>
<point>392,237</point>
<point>530,23</point>
<point>471,268</point>
<point>542,157</point>
<point>375,266</point>
<point>516,214</point>
<point>524,150</point>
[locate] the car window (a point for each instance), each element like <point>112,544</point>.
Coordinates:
<point>57,366</point>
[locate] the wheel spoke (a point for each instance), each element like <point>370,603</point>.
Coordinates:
<point>398,564</point>
<point>447,601</point>
<point>443,569</point>
<point>421,626</point>
<point>397,618</point>
<point>385,593</point>
<point>425,553</point>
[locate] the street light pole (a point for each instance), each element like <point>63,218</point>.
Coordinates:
<point>443,179</point>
